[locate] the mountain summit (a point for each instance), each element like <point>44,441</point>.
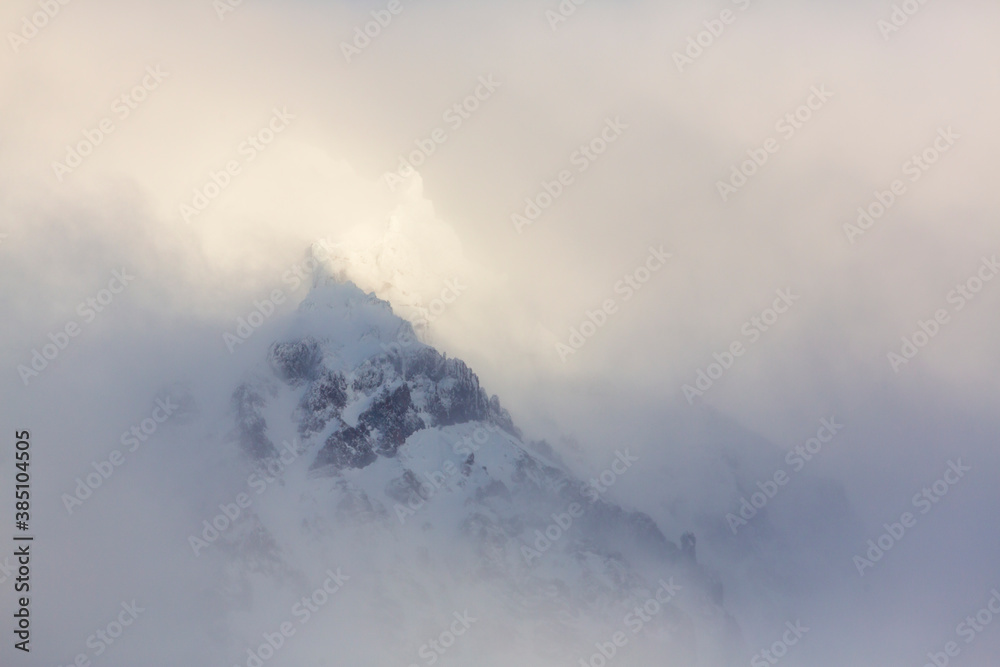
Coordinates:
<point>371,451</point>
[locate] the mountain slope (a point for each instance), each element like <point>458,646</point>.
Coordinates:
<point>374,452</point>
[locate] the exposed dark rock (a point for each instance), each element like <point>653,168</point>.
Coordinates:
<point>251,427</point>
<point>324,401</point>
<point>373,373</point>
<point>404,488</point>
<point>426,362</point>
<point>393,416</point>
<point>349,448</point>
<point>296,362</point>
<point>458,398</point>
<point>499,416</point>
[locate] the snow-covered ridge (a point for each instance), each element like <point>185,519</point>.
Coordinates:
<point>401,443</point>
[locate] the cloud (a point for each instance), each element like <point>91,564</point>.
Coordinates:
<point>323,175</point>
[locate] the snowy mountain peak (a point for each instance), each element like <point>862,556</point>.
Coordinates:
<point>401,442</point>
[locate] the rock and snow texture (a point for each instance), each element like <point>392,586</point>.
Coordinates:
<point>367,450</point>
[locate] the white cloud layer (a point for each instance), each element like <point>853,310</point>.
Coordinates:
<point>180,104</point>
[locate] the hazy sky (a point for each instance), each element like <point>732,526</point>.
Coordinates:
<point>736,167</point>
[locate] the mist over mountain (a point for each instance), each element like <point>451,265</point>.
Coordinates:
<point>396,460</point>
<point>438,333</point>
<point>374,455</point>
